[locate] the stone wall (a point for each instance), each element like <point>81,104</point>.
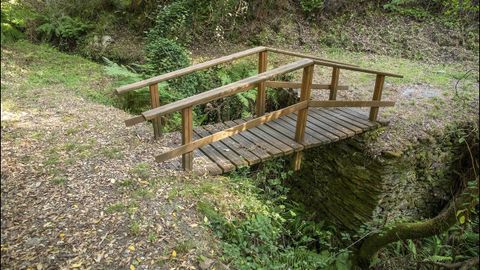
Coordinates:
<point>342,183</point>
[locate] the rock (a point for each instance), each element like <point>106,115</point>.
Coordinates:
<point>106,40</point>
<point>34,241</point>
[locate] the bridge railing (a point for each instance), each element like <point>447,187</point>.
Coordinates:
<point>259,81</point>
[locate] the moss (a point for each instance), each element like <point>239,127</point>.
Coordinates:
<point>342,183</point>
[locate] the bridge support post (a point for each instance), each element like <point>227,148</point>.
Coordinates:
<point>306,89</point>
<point>261,95</point>
<point>334,83</point>
<point>155,102</point>
<point>187,134</point>
<point>377,95</point>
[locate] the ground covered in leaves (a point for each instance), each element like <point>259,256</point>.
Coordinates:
<point>79,190</point>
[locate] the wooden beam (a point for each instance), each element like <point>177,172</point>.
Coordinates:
<point>224,91</point>
<point>307,79</point>
<point>285,52</point>
<point>328,64</point>
<point>230,131</point>
<point>155,102</point>
<point>261,95</point>
<point>349,103</point>
<point>188,70</point>
<point>334,83</point>
<point>134,120</point>
<point>187,134</point>
<point>297,85</point>
<point>377,95</point>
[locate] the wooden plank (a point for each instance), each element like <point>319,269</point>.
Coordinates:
<point>260,143</point>
<point>285,52</point>
<point>338,130</point>
<point>233,145</point>
<point>349,103</point>
<point>297,85</point>
<point>358,118</point>
<point>289,122</point>
<point>244,143</point>
<point>351,129</point>
<point>261,94</point>
<point>226,90</point>
<point>343,118</point>
<point>302,115</point>
<point>284,138</point>
<point>283,147</point>
<point>155,102</point>
<point>223,149</point>
<point>231,131</point>
<point>188,70</point>
<point>309,140</point>
<point>215,156</point>
<point>377,95</point>
<point>187,133</point>
<point>334,83</point>
<point>356,112</point>
<point>203,161</point>
<point>134,120</point>
<point>364,70</point>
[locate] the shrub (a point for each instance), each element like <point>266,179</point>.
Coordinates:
<point>311,5</point>
<point>63,31</point>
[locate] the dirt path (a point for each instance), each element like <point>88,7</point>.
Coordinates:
<point>79,190</point>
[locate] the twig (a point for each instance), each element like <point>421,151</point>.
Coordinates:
<point>461,78</point>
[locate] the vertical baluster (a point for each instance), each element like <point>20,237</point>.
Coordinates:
<point>306,89</point>
<point>187,134</point>
<point>261,95</point>
<point>334,83</point>
<point>155,102</point>
<point>377,95</point>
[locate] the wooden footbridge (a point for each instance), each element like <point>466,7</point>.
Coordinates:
<point>223,147</point>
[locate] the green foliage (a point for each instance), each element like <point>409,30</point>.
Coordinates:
<point>63,31</point>
<point>277,234</point>
<point>310,6</point>
<point>171,20</point>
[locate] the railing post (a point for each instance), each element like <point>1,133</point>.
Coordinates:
<point>187,134</point>
<point>306,89</point>
<point>334,83</point>
<point>261,95</point>
<point>377,95</point>
<point>155,102</point>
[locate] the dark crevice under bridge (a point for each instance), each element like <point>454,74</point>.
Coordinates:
<point>223,147</point>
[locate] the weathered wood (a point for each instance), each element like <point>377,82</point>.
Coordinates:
<point>187,133</point>
<point>188,70</point>
<point>297,85</point>
<point>231,131</point>
<point>349,103</point>
<point>319,127</point>
<point>349,128</point>
<point>261,95</point>
<point>377,95</point>
<point>311,130</point>
<point>223,149</point>
<point>210,152</point>
<point>134,120</point>
<point>307,79</point>
<point>225,91</point>
<point>238,145</point>
<point>334,83</point>
<point>285,52</point>
<point>155,102</point>
<point>364,70</point>
<point>333,127</point>
<point>263,144</point>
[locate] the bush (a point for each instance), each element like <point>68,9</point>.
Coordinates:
<point>65,31</point>
<point>311,5</point>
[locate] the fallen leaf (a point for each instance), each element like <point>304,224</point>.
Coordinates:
<point>131,247</point>
<point>132,267</point>
<point>174,254</point>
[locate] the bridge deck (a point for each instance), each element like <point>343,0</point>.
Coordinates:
<point>276,138</point>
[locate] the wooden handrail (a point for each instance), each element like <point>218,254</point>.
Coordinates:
<point>350,103</point>
<point>188,70</point>
<point>348,67</point>
<point>297,85</point>
<point>226,90</point>
<point>285,52</point>
<point>186,148</point>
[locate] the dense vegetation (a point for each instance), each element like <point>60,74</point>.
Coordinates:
<point>142,38</point>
